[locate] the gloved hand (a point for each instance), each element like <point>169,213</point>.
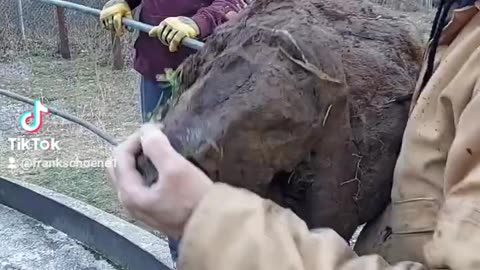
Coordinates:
<point>112,14</point>
<point>173,30</point>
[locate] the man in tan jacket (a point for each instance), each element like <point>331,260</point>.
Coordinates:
<point>433,221</point>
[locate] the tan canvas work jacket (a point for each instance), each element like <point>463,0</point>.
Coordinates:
<point>434,217</point>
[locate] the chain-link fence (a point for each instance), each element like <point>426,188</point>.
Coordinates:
<point>32,26</point>
<point>39,17</point>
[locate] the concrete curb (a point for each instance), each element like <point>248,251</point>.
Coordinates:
<point>117,240</point>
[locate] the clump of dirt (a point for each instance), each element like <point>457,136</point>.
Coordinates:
<point>292,102</point>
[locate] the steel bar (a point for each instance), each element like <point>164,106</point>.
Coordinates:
<point>187,42</point>
<point>66,116</point>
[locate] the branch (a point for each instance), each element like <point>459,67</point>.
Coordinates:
<point>66,116</point>
<point>356,179</point>
<point>400,99</point>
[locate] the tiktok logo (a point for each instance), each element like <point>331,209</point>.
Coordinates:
<point>32,121</point>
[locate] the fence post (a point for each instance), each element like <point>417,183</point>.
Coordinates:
<point>117,58</point>
<point>63,46</point>
<point>20,16</point>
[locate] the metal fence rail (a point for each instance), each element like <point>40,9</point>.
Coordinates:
<point>29,17</point>
<point>38,27</point>
<point>37,20</point>
<point>188,42</point>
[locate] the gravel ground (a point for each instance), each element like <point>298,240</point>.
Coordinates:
<point>8,108</point>
<point>26,244</point>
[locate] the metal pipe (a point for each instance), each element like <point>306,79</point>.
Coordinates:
<point>187,42</point>
<point>64,115</point>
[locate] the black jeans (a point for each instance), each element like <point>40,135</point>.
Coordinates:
<point>150,93</point>
<point>464,3</point>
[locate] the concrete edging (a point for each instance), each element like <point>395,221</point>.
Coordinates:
<point>119,241</point>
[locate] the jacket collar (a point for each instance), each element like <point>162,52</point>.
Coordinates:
<point>460,17</point>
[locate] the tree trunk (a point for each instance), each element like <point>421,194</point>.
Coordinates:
<point>63,46</point>
<point>117,57</point>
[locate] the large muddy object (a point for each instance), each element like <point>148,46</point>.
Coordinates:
<point>292,102</point>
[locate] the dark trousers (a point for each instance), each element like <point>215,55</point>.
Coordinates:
<point>151,93</point>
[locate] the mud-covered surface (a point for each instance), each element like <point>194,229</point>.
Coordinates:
<point>26,244</point>
<point>293,102</point>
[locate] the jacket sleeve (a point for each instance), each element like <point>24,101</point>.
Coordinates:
<point>133,3</point>
<point>458,224</point>
<point>210,17</point>
<point>235,229</point>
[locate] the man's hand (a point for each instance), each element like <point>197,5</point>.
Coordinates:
<point>112,14</point>
<point>167,204</point>
<point>173,30</point>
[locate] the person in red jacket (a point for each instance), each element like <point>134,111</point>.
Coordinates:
<point>160,49</point>
<point>174,20</point>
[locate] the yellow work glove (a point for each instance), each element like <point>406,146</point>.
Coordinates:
<point>112,14</point>
<point>173,30</point>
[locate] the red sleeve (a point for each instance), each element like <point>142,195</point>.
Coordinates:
<point>210,17</point>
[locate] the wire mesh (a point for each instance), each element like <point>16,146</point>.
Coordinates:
<point>31,26</point>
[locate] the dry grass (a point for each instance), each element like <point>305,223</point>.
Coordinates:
<point>81,87</point>
<point>85,86</point>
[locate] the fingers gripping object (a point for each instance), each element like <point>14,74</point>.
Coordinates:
<point>112,14</point>
<point>187,42</point>
<point>147,169</point>
<point>173,30</point>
